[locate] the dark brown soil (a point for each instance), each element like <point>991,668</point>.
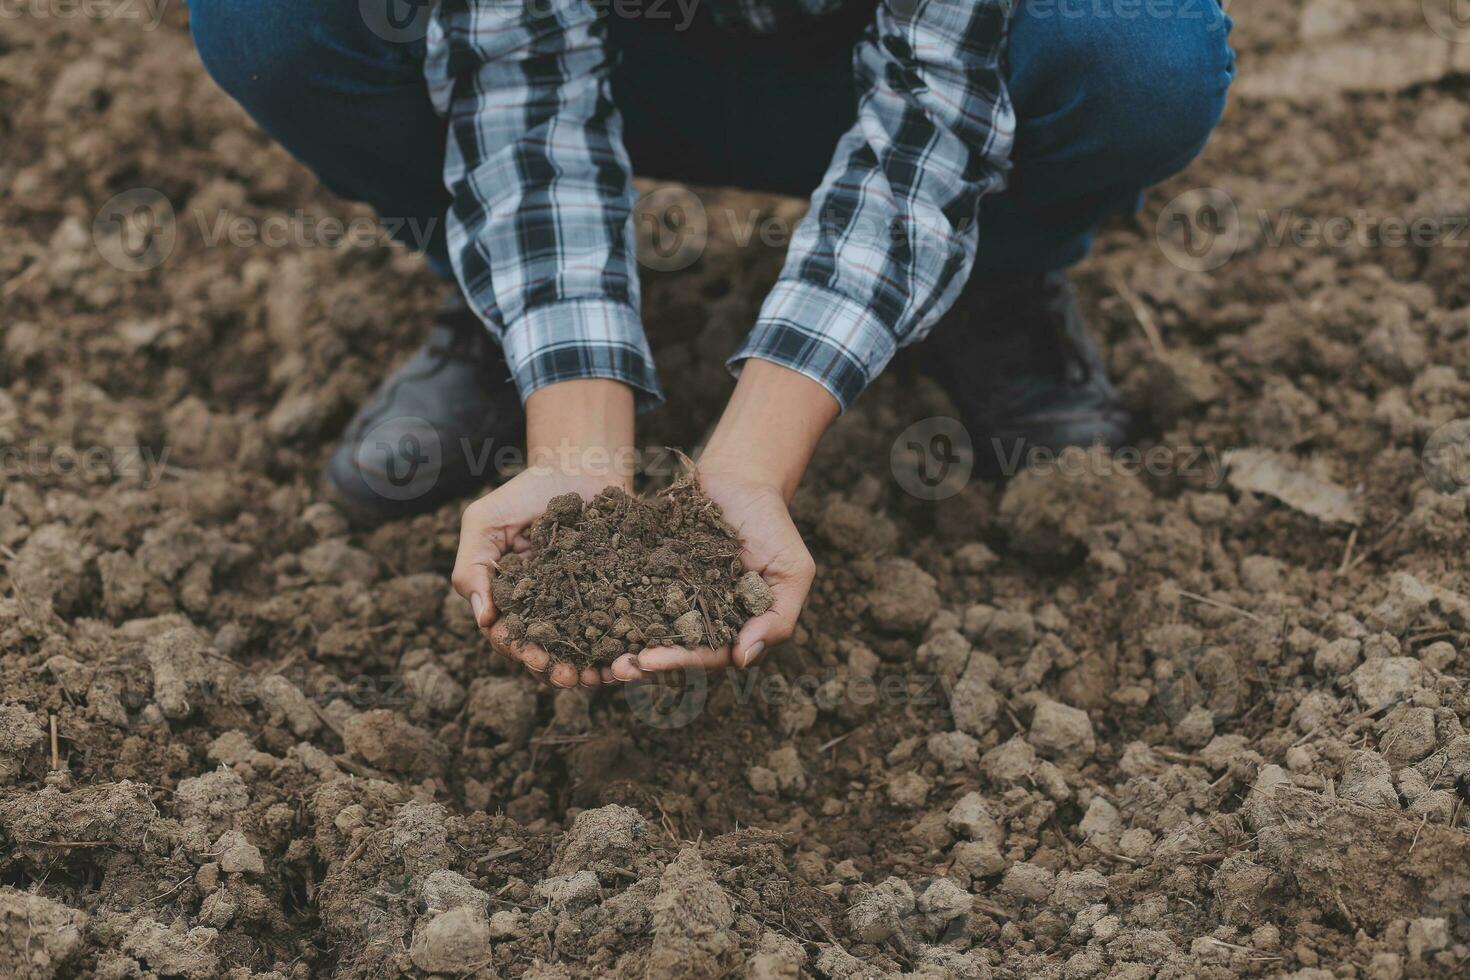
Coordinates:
<point>624,573</point>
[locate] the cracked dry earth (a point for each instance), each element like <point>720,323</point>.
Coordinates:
<point>1185,722</point>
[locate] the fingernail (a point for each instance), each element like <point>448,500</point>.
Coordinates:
<point>633,660</point>
<point>477,604</point>
<point>752,652</point>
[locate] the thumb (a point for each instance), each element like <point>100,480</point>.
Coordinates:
<point>480,549</point>
<point>774,626</point>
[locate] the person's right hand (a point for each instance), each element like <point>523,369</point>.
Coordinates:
<point>575,430</point>
<point>751,468</point>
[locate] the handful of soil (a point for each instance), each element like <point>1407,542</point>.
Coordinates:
<point>623,573</point>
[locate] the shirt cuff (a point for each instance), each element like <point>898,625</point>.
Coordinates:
<point>831,338</point>
<point>581,338</point>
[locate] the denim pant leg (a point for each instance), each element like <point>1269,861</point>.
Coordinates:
<point>344,92</point>
<point>1110,99</point>
<point>1109,102</point>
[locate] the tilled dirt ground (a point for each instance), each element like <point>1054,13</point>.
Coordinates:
<point>1202,718</point>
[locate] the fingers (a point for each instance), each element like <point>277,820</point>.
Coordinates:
<point>564,675</point>
<point>660,663</point>
<point>529,655</point>
<point>629,669</point>
<point>789,589</point>
<point>661,659</point>
<point>625,668</point>
<point>538,661</point>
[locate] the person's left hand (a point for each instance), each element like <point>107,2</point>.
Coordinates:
<point>751,468</point>
<point>773,547</point>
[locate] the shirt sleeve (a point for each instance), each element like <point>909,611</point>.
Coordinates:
<point>540,227</point>
<point>891,234</point>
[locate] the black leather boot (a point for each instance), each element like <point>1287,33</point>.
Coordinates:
<point>1015,356</point>
<point>433,429</point>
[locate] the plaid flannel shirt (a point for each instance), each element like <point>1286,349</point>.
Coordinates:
<point>541,232</point>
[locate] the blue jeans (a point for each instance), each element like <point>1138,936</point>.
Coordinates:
<point>1111,97</point>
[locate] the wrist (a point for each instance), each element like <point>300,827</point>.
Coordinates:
<point>770,427</point>
<point>582,428</point>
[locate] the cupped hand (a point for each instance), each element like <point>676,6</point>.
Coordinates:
<point>751,467</point>
<point>773,547</point>
<point>494,526</point>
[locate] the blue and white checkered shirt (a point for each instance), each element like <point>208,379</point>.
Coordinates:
<point>541,227</point>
